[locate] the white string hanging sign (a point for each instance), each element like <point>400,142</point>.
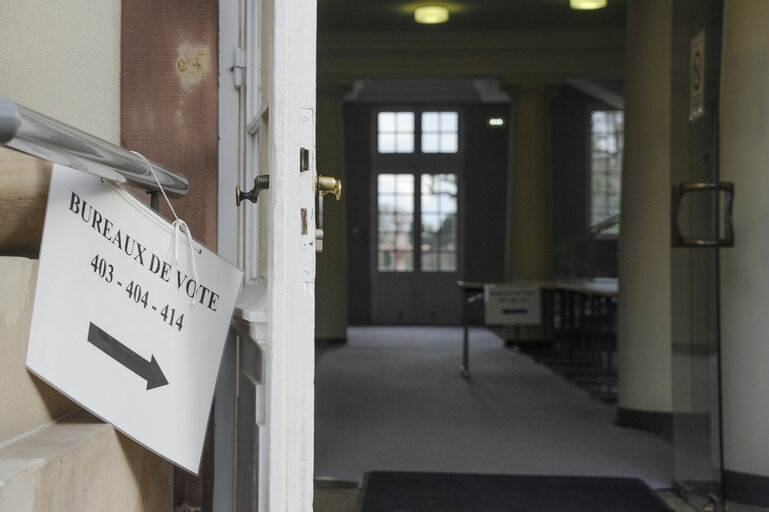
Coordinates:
<point>178,225</point>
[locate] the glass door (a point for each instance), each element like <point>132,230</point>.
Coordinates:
<point>417,162</point>
<point>698,235</point>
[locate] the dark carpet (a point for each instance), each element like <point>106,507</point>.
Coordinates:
<point>386,491</point>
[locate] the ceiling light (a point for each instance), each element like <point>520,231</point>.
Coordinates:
<point>431,14</point>
<point>587,4</point>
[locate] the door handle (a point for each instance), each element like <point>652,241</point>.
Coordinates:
<point>261,182</point>
<point>328,185</point>
<point>681,240</point>
<point>324,185</point>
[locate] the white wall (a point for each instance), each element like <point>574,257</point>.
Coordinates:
<point>745,267</point>
<point>62,58</point>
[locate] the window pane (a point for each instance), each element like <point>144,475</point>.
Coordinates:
<point>386,223</point>
<point>429,142</point>
<point>387,203</point>
<point>405,183</point>
<point>449,122</point>
<point>404,261</point>
<point>430,122</point>
<point>405,122</point>
<point>386,183</point>
<point>598,184</point>
<point>430,261</point>
<point>448,230</point>
<point>600,122</point>
<point>448,261</point>
<point>386,261</point>
<point>449,143</point>
<point>386,241</point>
<point>405,143</point>
<point>429,203</point>
<point>405,204</point>
<point>446,183</point>
<point>431,222</point>
<point>386,143</point>
<point>386,122</point>
<point>404,229</point>
<point>447,204</point>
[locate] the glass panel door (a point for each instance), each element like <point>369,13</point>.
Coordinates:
<point>695,257</point>
<point>417,162</point>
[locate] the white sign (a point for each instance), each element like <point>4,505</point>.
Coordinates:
<point>119,325</point>
<point>697,77</point>
<point>511,304</point>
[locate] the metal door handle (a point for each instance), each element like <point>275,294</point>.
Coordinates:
<point>328,185</point>
<point>727,240</point>
<point>261,182</point>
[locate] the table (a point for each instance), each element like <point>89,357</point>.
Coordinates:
<point>577,315</point>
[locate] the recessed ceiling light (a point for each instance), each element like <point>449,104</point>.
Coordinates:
<point>587,4</point>
<point>431,14</point>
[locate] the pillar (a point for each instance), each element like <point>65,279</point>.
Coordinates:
<point>529,238</point>
<point>644,318</point>
<point>744,270</point>
<point>331,270</point>
<point>529,244</point>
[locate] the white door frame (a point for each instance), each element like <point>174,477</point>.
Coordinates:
<point>276,310</point>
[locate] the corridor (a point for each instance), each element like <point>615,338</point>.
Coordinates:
<point>392,398</point>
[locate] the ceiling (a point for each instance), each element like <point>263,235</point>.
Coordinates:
<point>336,16</point>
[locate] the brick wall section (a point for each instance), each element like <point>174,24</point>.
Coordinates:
<point>169,110</point>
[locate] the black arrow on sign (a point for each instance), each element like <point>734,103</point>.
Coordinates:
<point>514,311</point>
<point>147,370</point>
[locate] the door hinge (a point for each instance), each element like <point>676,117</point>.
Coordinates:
<point>238,67</point>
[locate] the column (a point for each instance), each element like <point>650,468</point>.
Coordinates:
<point>331,271</point>
<point>529,245</point>
<point>644,319</point>
<point>529,239</point>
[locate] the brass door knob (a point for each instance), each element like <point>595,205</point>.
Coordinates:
<point>261,182</point>
<point>329,185</point>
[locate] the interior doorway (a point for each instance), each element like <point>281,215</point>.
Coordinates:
<point>417,169</point>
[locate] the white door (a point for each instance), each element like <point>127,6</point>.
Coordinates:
<point>264,445</point>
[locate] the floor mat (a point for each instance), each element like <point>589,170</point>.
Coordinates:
<point>386,491</point>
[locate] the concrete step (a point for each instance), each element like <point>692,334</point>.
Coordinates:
<point>81,464</point>
<point>25,401</point>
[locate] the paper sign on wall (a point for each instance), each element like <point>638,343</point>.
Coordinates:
<point>512,304</point>
<point>697,77</point>
<point>120,325</point>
